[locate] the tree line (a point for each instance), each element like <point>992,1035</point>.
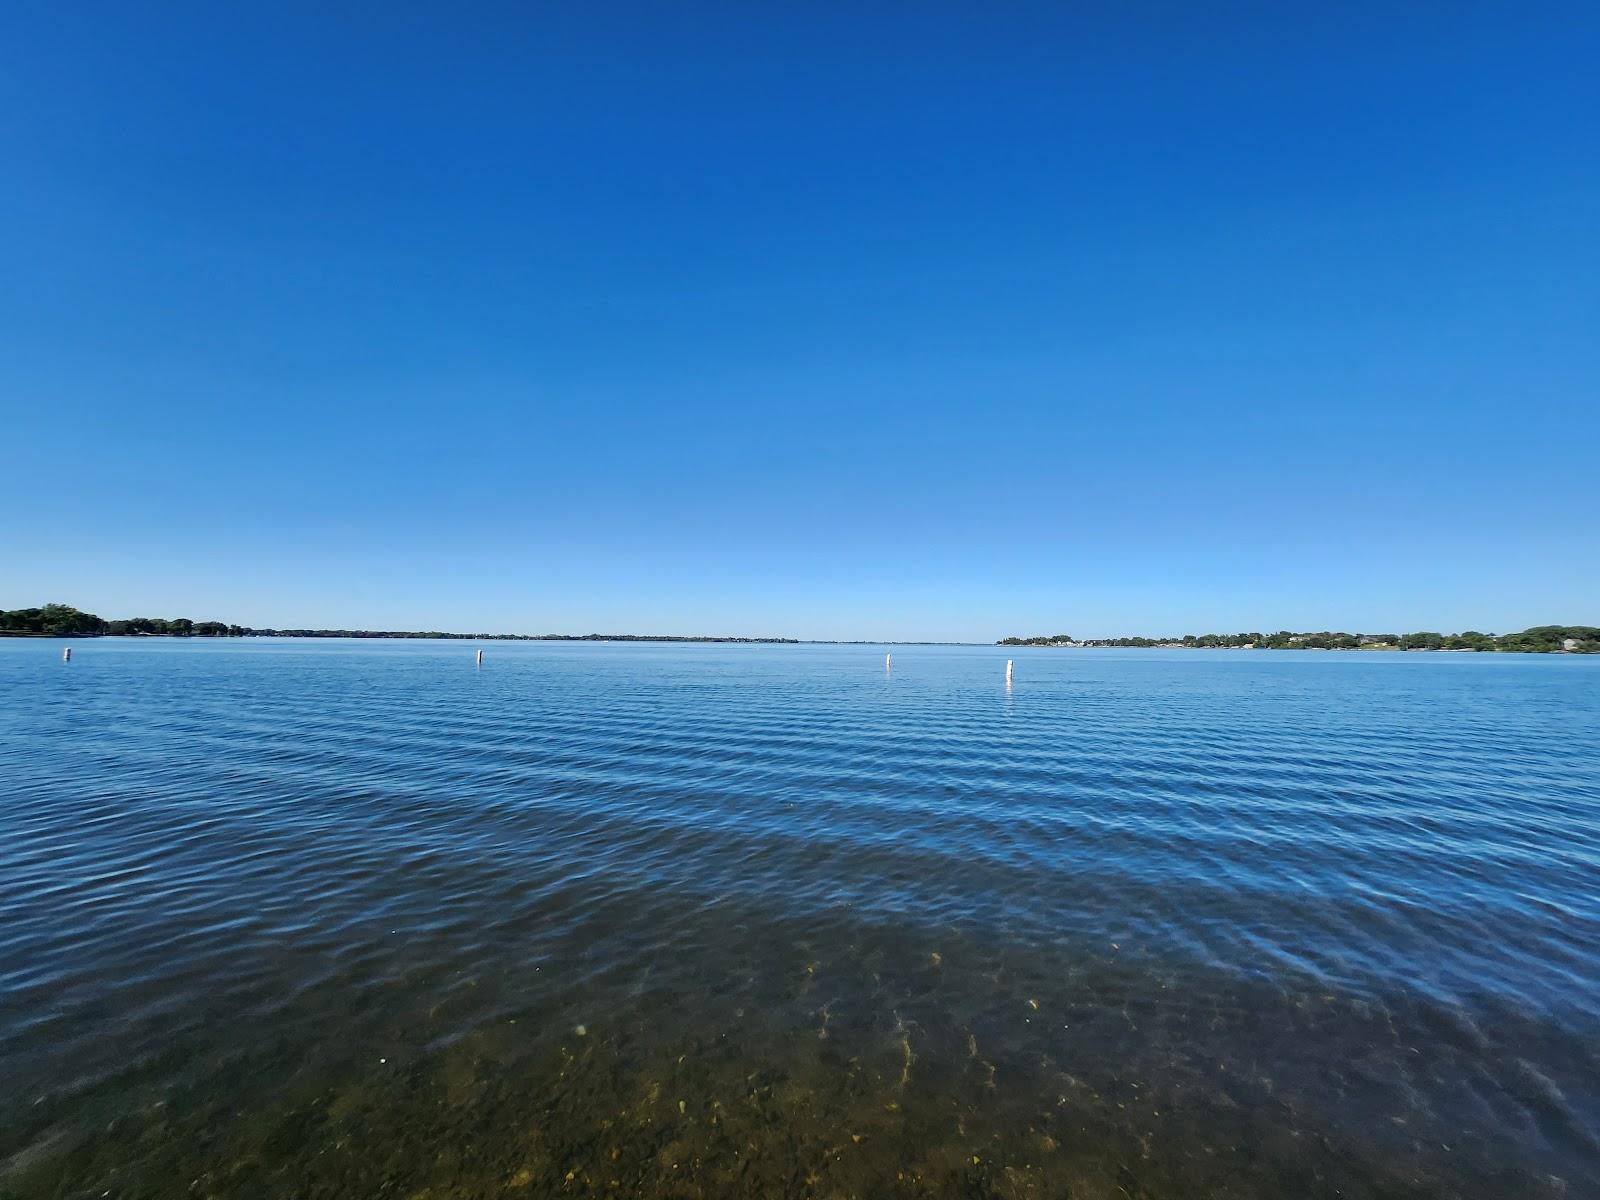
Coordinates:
<point>1541,639</point>
<point>62,620</point>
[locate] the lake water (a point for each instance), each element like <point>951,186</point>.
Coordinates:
<point>339,918</point>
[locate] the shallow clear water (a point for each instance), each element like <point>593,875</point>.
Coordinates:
<point>349,918</point>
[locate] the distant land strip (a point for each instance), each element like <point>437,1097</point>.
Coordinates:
<point>1541,639</point>
<point>61,620</point>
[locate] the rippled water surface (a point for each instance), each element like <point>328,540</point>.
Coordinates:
<point>331,918</point>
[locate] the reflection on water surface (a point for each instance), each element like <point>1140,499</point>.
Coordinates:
<point>346,920</point>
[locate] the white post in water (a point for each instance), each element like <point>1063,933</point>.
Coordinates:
<point>888,662</point>
<point>1008,672</point>
<point>480,658</point>
<point>66,654</point>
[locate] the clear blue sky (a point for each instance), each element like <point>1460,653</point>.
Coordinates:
<point>836,321</point>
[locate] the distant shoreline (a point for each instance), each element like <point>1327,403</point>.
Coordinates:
<point>1539,639</point>
<point>60,620</point>
<point>63,621</point>
<point>368,635</point>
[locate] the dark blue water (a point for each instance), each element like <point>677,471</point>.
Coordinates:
<point>357,918</point>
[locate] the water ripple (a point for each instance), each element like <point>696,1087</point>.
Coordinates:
<point>1146,924</point>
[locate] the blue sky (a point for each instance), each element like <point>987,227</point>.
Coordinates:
<point>829,321</point>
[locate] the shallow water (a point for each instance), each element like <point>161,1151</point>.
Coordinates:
<point>328,918</point>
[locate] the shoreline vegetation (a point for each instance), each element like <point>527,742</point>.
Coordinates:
<point>61,620</point>
<point>1540,639</point>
